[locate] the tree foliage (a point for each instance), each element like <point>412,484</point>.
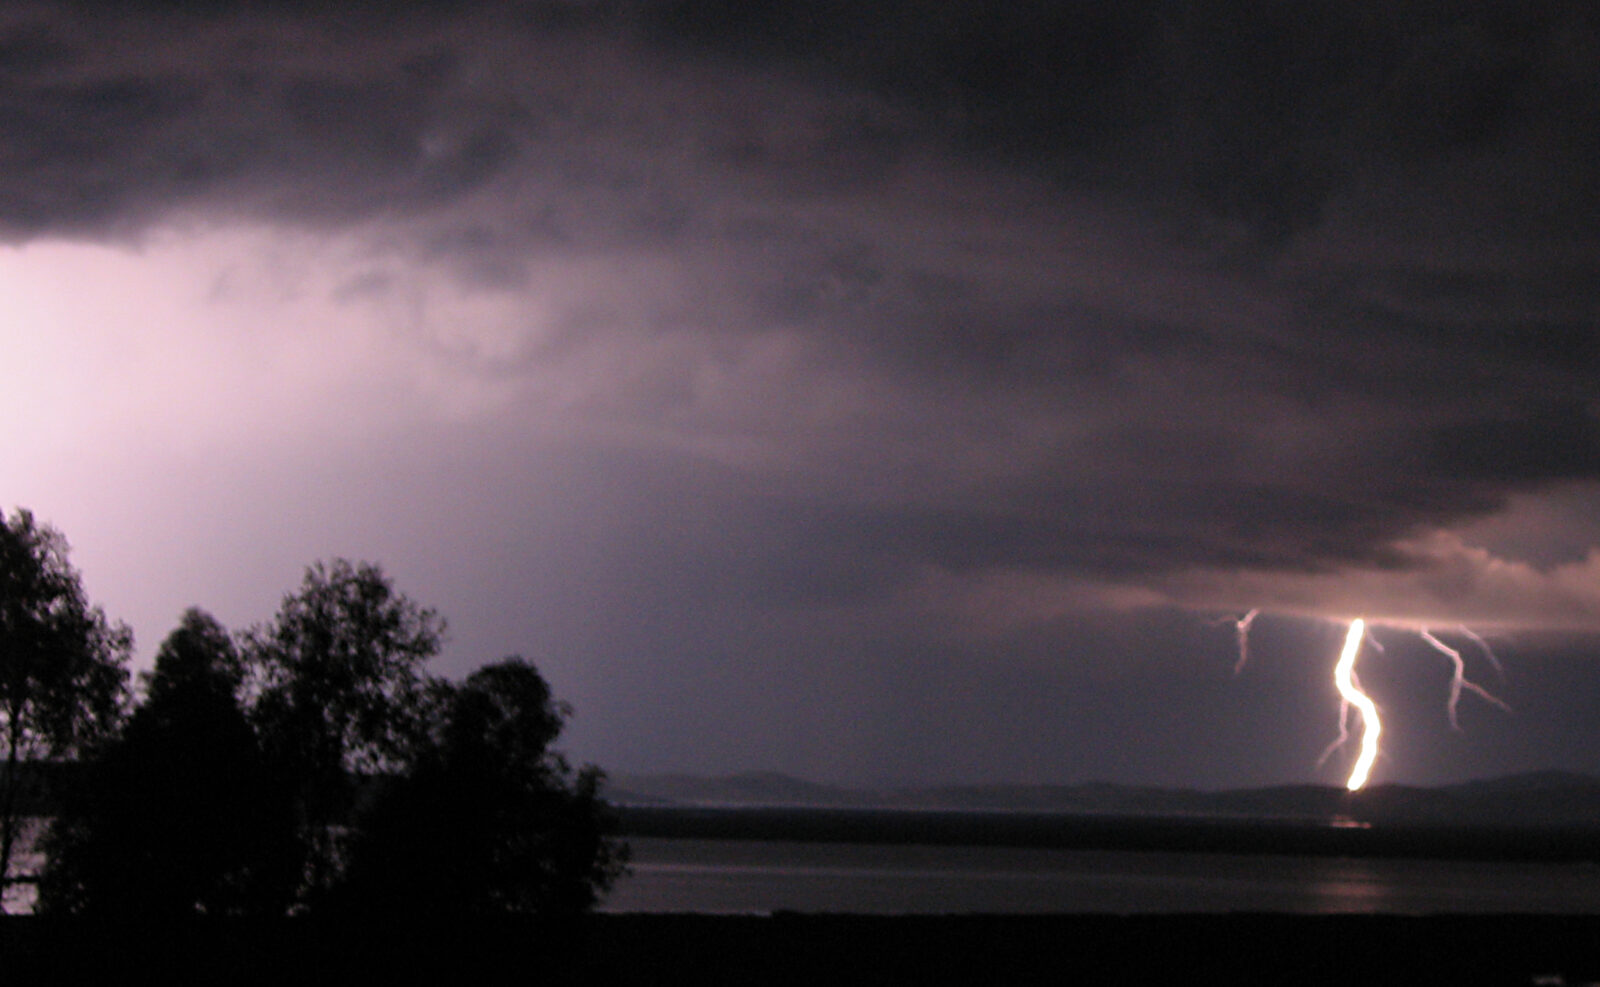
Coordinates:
<point>63,668</point>
<point>338,671</point>
<point>236,786</point>
<point>339,691</point>
<point>180,814</point>
<point>491,818</point>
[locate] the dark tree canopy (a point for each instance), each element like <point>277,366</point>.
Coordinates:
<point>197,659</point>
<point>339,692</point>
<point>63,667</point>
<point>491,819</point>
<point>310,765</point>
<point>338,671</point>
<point>180,814</point>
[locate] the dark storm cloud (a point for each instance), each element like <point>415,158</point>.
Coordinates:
<point>1550,442</point>
<point>1257,109</point>
<point>1255,112</point>
<point>1103,291</point>
<point>117,113</point>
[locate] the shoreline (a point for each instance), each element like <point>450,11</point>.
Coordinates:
<point>1076,831</point>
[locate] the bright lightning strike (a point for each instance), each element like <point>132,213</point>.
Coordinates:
<point>1351,694</point>
<point>1344,677</point>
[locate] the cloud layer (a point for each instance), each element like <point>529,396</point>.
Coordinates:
<point>954,321</point>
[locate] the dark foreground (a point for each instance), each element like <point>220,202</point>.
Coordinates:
<point>823,949</point>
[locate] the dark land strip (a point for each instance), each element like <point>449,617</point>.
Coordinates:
<point>1135,833</point>
<point>821,949</point>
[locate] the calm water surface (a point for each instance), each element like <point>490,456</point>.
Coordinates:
<point>752,876</point>
<point>758,876</point>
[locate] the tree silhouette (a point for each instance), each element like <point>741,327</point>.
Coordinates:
<point>179,815</point>
<point>339,692</point>
<point>490,819</point>
<point>63,669</point>
<point>223,792</point>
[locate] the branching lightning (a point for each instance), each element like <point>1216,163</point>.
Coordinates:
<point>1351,694</point>
<point>1458,679</point>
<point>1483,646</point>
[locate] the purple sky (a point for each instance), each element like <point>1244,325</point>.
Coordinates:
<point>897,391</point>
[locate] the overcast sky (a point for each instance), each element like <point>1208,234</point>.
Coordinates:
<point>905,390</point>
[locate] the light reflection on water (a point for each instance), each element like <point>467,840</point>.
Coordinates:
<point>752,876</point>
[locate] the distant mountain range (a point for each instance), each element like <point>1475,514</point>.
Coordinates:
<point>1535,799</point>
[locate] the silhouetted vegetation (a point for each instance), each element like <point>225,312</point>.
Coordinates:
<point>181,813</point>
<point>310,764</point>
<point>339,692</point>
<point>490,819</point>
<point>63,669</point>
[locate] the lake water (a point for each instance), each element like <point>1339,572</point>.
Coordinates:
<point>756,876</point>
<point>763,876</point>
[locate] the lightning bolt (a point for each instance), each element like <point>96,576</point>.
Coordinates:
<point>1483,646</point>
<point>1344,731</point>
<point>1458,678</point>
<point>1241,630</point>
<point>1351,693</point>
<point>1344,678</point>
